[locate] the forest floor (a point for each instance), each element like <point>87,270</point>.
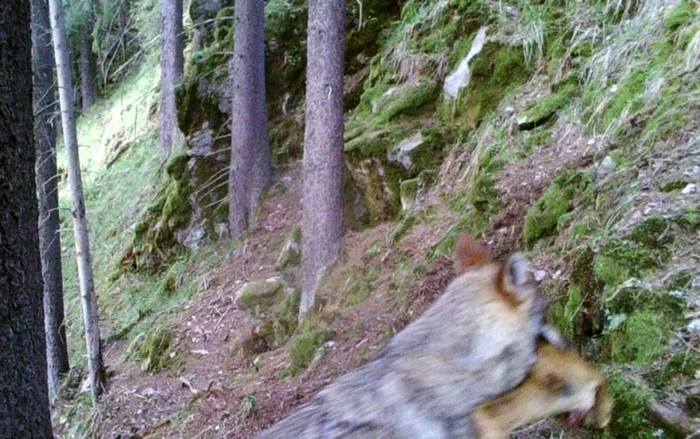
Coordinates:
<point>218,390</point>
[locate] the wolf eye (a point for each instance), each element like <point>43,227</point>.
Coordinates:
<point>554,384</point>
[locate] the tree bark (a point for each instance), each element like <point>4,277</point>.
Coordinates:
<point>323,222</point>
<point>47,184</point>
<point>251,168</point>
<point>88,60</point>
<point>171,69</point>
<point>24,400</point>
<point>80,230</point>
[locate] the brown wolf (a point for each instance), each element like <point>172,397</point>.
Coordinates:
<point>476,342</point>
<point>559,383</point>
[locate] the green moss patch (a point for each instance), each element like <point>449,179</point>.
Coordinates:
<point>545,108</point>
<point>631,398</point>
<point>154,350</point>
<point>411,101</point>
<point>559,198</point>
<point>277,329</point>
<point>678,15</point>
<point>402,227</point>
<point>642,338</point>
<point>305,346</point>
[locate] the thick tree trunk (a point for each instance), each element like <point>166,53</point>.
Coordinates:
<point>323,223</point>
<point>171,68</point>
<point>88,60</point>
<point>75,183</point>
<point>24,401</point>
<point>47,183</point>
<point>250,151</point>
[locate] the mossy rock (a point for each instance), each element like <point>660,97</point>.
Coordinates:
<point>260,296</point>
<point>154,350</point>
<point>377,168</point>
<point>180,216</point>
<point>411,101</point>
<point>277,329</point>
<point>545,109</point>
<point>290,256</point>
<point>559,199</point>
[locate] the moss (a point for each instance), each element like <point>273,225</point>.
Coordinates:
<point>631,398</point>
<point>223,25</point>
<point>628,95</point>
<point>259,296</point>
<point>305,346</point>
<point>559,199</point>
<point>678,15</point>
<point>680,367</point>
<point>154,350</point>
<point>409,102</point>
<point>408,190</point>
<point>610,271</point>
<point>545,108</point>
<point>402,227</point>
<point>537,138</point>
<point>169,283</point>
<point>644,249</point>
<point>566,315</point>
<point>291,251</point>
<point>446,245</point>
<point>283,322</point>
<point>621,259</point>
<point>680,281</point>
<point>358,294</point>
<point>689,221</point>
<point>674,185</point>
<point>642,338</point>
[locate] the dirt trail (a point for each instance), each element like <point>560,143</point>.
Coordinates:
<point>217,392</point>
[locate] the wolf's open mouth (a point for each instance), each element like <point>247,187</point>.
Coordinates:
<point>576,418</point>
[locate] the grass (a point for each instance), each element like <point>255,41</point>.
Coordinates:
<point>114,197</point>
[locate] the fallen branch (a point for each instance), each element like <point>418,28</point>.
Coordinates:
<point>671,418</point>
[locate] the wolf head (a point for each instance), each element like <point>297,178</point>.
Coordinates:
<point>515,283</point>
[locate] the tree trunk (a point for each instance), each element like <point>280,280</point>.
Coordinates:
<point>47,183</point>
<point>171,68</point>
<point>80,230</point>
<point>88,60</point>
<point>250,151</point>
<point>323,222</point>
<point>24,401</point>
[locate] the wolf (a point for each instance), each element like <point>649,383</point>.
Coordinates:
<point>475,343</point>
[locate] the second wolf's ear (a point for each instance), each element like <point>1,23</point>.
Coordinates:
<point>470,253</point>
<point>515,281</point>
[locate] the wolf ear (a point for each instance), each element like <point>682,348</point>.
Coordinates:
<point>469,253</point>
<point>515,281</point>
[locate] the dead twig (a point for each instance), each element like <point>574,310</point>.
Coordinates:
<point>672,418</point>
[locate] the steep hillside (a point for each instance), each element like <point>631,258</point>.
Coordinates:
<point>568,129</point>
